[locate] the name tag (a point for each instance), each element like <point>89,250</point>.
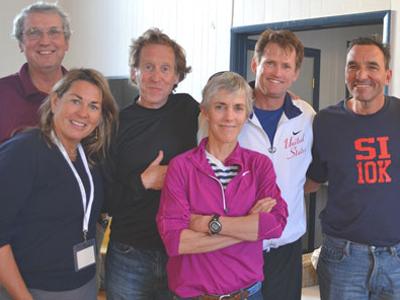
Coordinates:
<point>84,254</point>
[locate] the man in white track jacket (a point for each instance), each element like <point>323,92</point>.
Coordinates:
<point>281,128</point>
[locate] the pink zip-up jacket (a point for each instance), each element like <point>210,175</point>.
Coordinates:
<point>191,188</point>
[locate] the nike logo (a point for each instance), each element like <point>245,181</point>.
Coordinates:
<point>296,132</point>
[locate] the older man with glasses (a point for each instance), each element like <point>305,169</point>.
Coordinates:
<point>42,31</point>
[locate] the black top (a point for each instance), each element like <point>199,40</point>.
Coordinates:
<point>359,156</point>
<point>142,133</point>
<point>41,211</point>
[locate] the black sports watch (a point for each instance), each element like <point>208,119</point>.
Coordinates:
<point>214,226</point>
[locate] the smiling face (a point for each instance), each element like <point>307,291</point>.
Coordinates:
<point>366,75</point>
<point>43,52</point>
<point>226,115</point>
<point>275,73</point>
<point>77,113</point>
<point>156,75</point>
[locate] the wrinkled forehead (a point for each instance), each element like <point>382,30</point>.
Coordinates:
<point>42,19</point>
<point>365,54</point>
<point>157,54</point>
<point>227,96</point>
<point>229,93</point>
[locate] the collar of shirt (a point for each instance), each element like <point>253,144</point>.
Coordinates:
<point>27,85</point>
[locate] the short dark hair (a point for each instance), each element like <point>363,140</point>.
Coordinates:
<point>156,36</point>
<point>285,39</point>
<point>370,41</point>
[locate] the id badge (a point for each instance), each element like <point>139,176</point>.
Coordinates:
<point>84,254</point>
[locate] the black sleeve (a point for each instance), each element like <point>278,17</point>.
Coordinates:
<point>318,170</point>
<point>114,185</point>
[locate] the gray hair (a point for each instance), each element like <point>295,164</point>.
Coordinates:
<point>40,7</point>
<point>230,82</point>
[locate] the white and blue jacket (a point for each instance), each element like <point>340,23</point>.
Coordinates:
<point>290,154</point>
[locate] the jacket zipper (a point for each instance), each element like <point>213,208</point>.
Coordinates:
<point>223,193</point>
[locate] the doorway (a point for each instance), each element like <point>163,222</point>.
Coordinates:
<point>307,85</point>
<point>330,72</point>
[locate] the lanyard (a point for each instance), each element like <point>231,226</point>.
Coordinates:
<point>87,208</point>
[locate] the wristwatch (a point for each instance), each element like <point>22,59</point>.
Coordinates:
<point>214,226</point>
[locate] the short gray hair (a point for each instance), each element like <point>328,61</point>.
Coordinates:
<point>230,82</point>
<point>40,7</point>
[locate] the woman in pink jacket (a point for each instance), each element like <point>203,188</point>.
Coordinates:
<point>219,202</point>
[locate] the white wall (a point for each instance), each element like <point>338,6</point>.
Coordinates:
<point>101,35</point>
<point>202,28</point>
<point>11,58</point>
<point>270,11</point>
<point>103,29</point>
<point>395,48</point>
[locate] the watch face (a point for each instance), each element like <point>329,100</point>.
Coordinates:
<point>215,226</point>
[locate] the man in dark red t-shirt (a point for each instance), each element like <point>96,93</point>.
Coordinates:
<point>42,31</point>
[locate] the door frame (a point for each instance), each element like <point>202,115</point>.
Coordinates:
<point>239,35</point>
<point>238,61</point>
<point>316,55</point>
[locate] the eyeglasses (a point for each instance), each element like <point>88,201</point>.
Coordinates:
<point>34,33</point>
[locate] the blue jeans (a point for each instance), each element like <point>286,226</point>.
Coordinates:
<point>254,293</point>
<point>135,274</point>
<point>351,271</point>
